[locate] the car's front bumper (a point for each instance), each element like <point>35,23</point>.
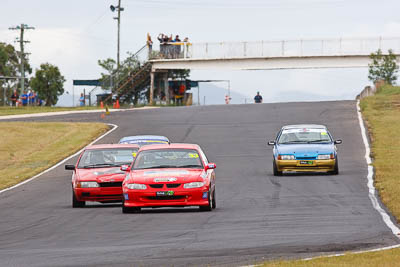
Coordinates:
<point>99,194</point>
<point>297,166</point>
<point>180,197</point>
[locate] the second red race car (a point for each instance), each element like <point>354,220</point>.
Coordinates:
<point>98,176</point>
<point>169,175</point>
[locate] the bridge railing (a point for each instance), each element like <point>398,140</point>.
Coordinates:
<point>283,48</point>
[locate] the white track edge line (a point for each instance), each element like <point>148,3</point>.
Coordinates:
<point>62,161</point>
<point>372,190</point>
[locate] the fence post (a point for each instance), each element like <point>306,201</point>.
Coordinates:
<point>262,48</point>
<point>301,47</point>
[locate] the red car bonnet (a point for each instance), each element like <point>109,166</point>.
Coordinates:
<point>101,174</point>
<point>167,175</point>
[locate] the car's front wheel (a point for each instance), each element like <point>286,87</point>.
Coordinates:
<point>336,169</point>
<point>75,202</point>
<point>276,172</point>
<point>214,201</point>
<point>209,206</point>
<point>129,209</point>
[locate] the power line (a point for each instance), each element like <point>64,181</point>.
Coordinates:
<point>22,42</point>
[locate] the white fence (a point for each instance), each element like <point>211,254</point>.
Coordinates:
<point>289,48</point>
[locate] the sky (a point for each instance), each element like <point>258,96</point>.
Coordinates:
<point>74,34</point>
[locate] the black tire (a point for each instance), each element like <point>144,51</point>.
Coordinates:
<point>209,206</point>
<point>214,201</point>
<point>129,209</point>
<point>336,169</point>
<point>76,203</point>
<point>276,172</point>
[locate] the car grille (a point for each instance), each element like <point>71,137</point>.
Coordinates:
<point>166,197</point>
<point>111,184</point>
<point>306,158</point>
<point>156,185</point>
<point>173,185</point>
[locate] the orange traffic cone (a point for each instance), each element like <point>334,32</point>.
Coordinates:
<point>117,104</point>
<point>101,104</point>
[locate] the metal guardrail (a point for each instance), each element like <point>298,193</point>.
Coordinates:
<point>275,49</point>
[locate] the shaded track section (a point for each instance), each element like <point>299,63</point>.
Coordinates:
<point>258,217</point>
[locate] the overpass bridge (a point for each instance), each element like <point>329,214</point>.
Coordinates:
<point>283,54</point>
<point>258,55</point>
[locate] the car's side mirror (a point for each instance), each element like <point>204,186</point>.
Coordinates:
<point>337,142</point>
<point>125,168</point>
<point>210,166</point>
<point>70,167</point>
<point>271,143</point>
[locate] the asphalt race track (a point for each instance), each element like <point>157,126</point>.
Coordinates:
<point>258,216</point>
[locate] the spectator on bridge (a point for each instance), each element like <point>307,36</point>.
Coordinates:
<point>14,98</point>
<point>149,43</point>
<point>177,40</point>
<point>258,98</point>
<point>186,39</point>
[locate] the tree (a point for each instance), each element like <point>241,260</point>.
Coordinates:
<point>48,83</point>
<point>383,67</point>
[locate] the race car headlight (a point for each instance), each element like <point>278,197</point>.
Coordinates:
<point>136,186</point>
<point>87,184</point>
<point>193,185</point>
<point>287,157</point>
<point>327,156</point>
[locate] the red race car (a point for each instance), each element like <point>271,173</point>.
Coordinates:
<point>169,175</point>
<point>98,176</point>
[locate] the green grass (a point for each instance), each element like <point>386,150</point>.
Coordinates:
<point>29,110</point>
<point>382,115</point>
<point>385,258</point>
<point>27,148</point>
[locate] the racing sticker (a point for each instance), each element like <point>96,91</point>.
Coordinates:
<point>110,171</point>
<point>298,130</point>
<point>167,179</point>
<point>193,155</point>
<point>165,173</point>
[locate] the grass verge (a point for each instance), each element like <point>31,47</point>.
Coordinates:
<point>371,259</point>
<point>27,148</point>
<point>382,115</point>
<point>4,111</point>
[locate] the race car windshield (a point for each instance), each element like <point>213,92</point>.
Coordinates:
<point>101,158</point>
<point>305,136</point>
<point>168,158</point>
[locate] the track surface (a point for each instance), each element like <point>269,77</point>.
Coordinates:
<point>258,217</point>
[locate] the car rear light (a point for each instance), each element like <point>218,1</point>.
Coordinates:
<point>332,156</point>
<point>279,157</point>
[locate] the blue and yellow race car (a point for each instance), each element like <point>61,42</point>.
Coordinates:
<point>143,140</point>
<point>305,148</point>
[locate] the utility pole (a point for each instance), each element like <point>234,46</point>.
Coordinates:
<point>118,18</point>
<point>22,28</point>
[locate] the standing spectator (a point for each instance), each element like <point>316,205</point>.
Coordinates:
<point>82,100</point>
<point>186,39</point>
<point>258,98</point>
<point>31,98</point>
<point>25,99</point>
<point>149,43</point>
<point>177,40</point>
<point>14,98</point>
